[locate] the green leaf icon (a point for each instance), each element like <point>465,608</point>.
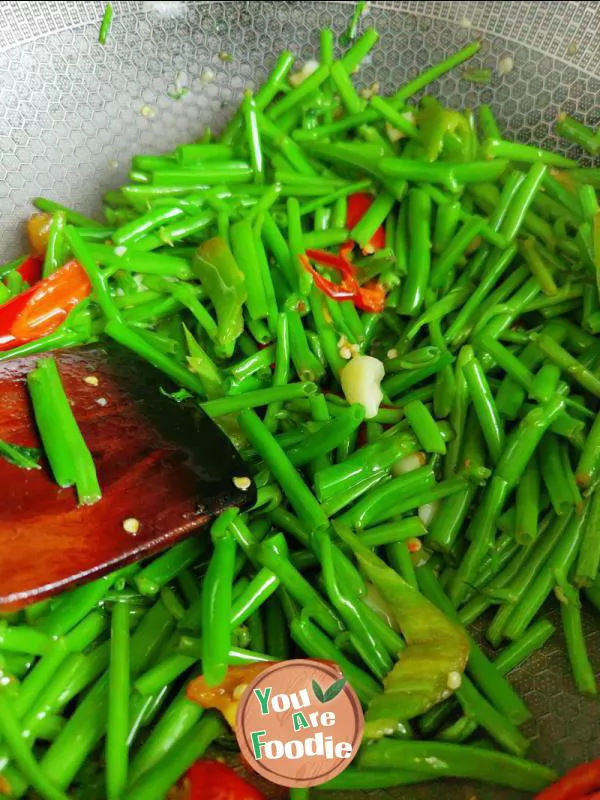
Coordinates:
<point>330,693</point>
<point>318,692</point>
<point>334,690</point>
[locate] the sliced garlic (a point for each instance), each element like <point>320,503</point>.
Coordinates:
<point>361,383</point>
<point>240,689</point>
<point>408,464</point>
<point>393,134</point>
<point>131,525</point>
<point>369,91</point>
<point>505,65</point>
<point>296,78</point>
<point>427,512</point>
<point>207,75</point>
<point>454,681</point>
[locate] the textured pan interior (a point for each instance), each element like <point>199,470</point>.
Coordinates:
<point>72,113</point>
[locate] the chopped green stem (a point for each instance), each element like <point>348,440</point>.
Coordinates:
<point>117,755</point>
<point>69,457</point>
<point>437,759</point>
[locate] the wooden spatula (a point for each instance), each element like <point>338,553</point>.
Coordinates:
<point>162,465</point>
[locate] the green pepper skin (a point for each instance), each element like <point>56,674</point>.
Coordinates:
<point>434,659</point>
<point>213,263</point>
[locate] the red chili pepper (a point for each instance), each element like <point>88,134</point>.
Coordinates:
<point>346,249</point>
<point>370,297</point>
<point>595,796</point>
<point>263,346</point>
<point>339,262</point>
<point>212,780</point>
<point>337,291</point>
<point>575,785</point>
<point>41,309</point>
<point>9,312</point>
<point>348,287</point>
<point>361,438</point>
<point>223,697</point>
<point>31,269</point>
<point>358,205</point>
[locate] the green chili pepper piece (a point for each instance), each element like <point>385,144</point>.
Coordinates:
<point>225,285</point>
<point>437,648</point>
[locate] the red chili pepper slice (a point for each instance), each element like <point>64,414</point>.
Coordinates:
<point>223,697</point>
<point>361,438</point>
<point>339,262</point>
<point>575,785</point>
<point>370,297</point>
<point>212,780</point>
<point>9,312</point>
<point>345,290</point>
<point>41,309</point>
<point>346,249</point>
<point>358,205</point>
<point>31,269</point>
